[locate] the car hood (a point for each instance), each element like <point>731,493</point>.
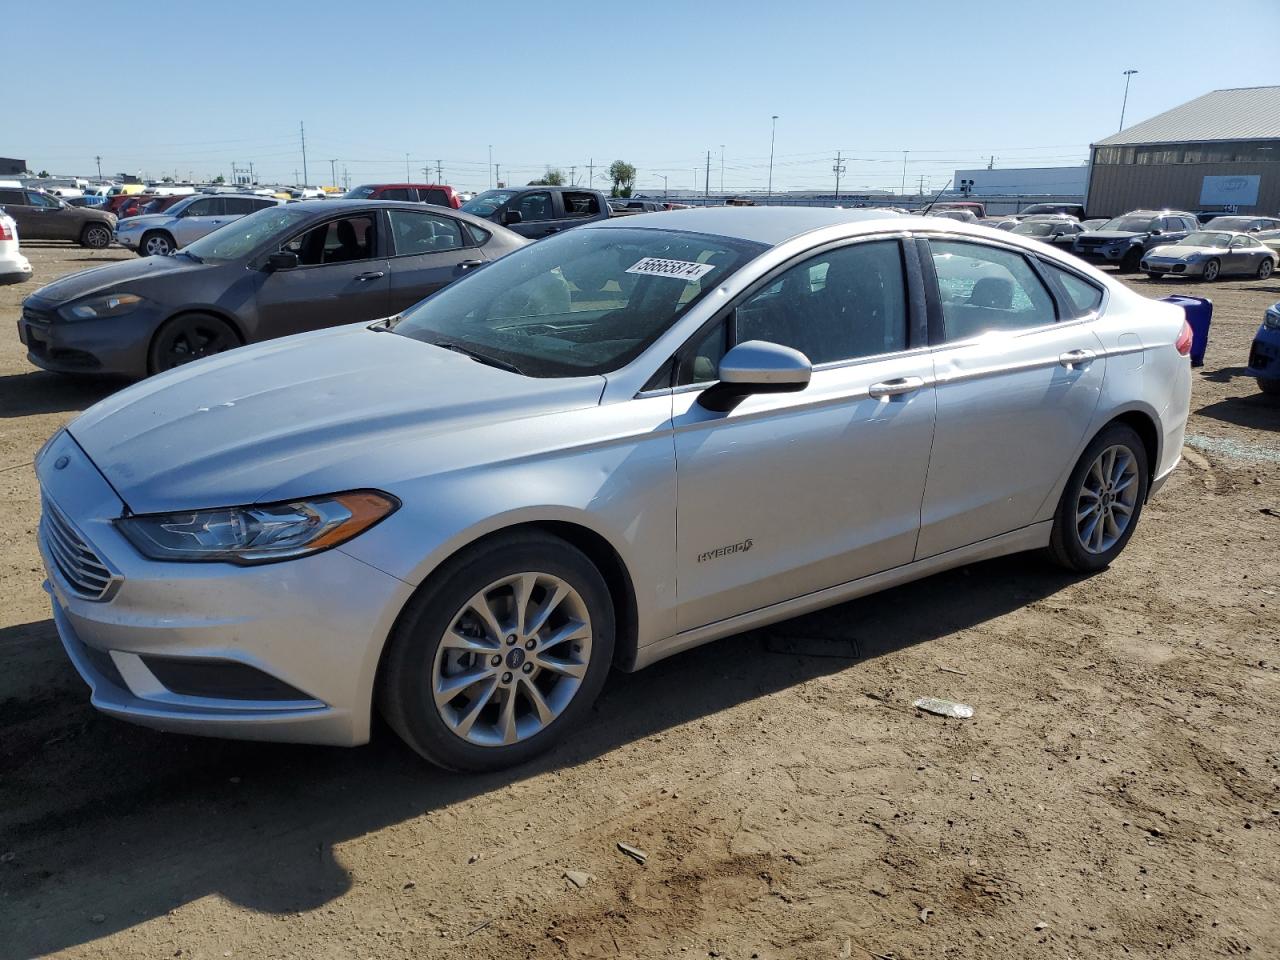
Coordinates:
<point>145,220</point>
<point>1109,235</point>
<point>1182,251</point>
<point>113,276</point>
<point>252,424</point>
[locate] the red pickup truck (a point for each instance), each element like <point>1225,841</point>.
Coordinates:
<point>439,194</point>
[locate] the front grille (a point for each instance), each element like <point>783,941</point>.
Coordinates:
<point>80,567</point>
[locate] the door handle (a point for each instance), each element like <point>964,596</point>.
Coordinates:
<point>895,388</point>
<point>1076,358</point>
<point>553,229</point>
<point>372,275</point>
<point>470,264</point>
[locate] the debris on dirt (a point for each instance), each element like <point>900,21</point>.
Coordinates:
<point>636,854</point>
<point>846,949</point>
<point>1040,926</point>
<point>958,673</point>
<point>479,926</point>
<point>473,858</point>
<point>943,708</point>
<point>578,878</point>
<point>1270,511</point>
<point>410,884</point>
<point>924,914</point>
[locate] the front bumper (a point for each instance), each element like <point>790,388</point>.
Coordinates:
<point>1183,268</point>
<point>1101,254</point>
<point>127,239</point>
<point>1264,354</point>
<point>167,645</point>
<point>112,345</point>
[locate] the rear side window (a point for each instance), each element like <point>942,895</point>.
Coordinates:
<point>479,235</point>
<point>1084,298</point>
<point>424,232</point>
<point>580,204</point>
<point>12,197</point>
<point>984,289</point>
<point>398,193</point>
<point>438,197</point>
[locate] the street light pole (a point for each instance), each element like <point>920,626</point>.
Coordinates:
<point>722,168</point>
<point>664,185</point>
<point>773,136</point>
<point>1124,103</point>
<point>333,172</point>
<point>491,166</point>
<point>407,175</point>
<point>903,189</point>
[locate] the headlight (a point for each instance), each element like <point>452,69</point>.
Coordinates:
<point>108,305</point>
<point>1271,319</point>
<point>258,534</point>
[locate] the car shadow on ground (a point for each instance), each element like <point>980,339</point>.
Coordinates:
<point>106,819</point>
<point>1257,411</point>
<point>1224,374</point>
<point>24,394</point>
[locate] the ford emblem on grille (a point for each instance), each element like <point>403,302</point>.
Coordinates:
<point>61,462</point>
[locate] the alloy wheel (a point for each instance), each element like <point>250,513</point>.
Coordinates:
<point>157,245</point>
<point>1211,270</point>
<point>97,237</point>
<point>512,659</point>
<point>1264,269</point>
<point>1107,499</point>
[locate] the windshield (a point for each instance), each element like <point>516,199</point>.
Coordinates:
<point>1205,240</point>
<point>1129,224</point>
<point>1230,223</point>
<point>578,303</point>
<point>241,237</point>
<point>1040,229</point>
<point>487,202</point>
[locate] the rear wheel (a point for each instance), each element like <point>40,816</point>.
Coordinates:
<point>500,654</point>
<point>1265,268</point>
<point>1102,501</point>
<point>1132,261</point>
<point>96,236</point>
<point>1211,271</point>
<point>190,337</point>
<point>156,244</point>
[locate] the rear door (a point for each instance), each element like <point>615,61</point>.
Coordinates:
<point>198,218</point>
<point>46,219</point>
<point>1018,378</point>
<point>342,277</point>
<point>429,250</point>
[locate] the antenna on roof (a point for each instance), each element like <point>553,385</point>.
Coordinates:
<point>935,198</point>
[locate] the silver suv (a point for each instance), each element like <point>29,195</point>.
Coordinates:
<point>159,234</point>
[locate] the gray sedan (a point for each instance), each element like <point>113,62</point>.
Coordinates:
<point>160,234</point>
<point>608,447</point>
<point>1211,254</point>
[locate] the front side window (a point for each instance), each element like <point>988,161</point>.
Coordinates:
<point>423,232</point>
<point>535,206</point>
<point>847,303</point>
<point>578,303</point>
<point>41,200</point>
<point>985,289</point>
<point>338,241</point>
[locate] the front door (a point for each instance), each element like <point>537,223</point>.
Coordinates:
<point>342,277</point>
<point>1016,390</point>
<point>430,251</point>
<point>791,493</point>
<point>198,218</point>
<point>537,214</point>
<point>41,217</point>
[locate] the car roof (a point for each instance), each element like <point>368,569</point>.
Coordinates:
<point>771,225</point>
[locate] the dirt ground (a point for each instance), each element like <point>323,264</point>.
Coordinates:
<point>1115,794</point>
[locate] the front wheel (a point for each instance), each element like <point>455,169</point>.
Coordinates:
<point>187,338</point>
<point>1211,271</point>
<point>1265,268</point>
<point>1154,276</point>
<point>1102,501</point>
<point>96,236</point>
<point>1268,385</point>
<point>1132,261</point>
<point>156,244</point>
<point>500,654</point>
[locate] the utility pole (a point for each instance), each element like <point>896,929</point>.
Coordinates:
<point>99,159</point>
<point>407,177</point>
<point>303,131</point>
<point>722,168</point>
<point>346,179</point>
<point>921,190</point>
<point>1127,75</point>
<point>253,178</point>
<point>838,169</point>
<point>491,166</point>
<point>333,172</point>
<point>706,192</point>
<point>439,172</point>
<point>497,177</point>
<point>295,174</point>
<point>573,176</point>
<point>426,172</point>
<point>664,185</point>
<point>991,162</point>
<point>591,173</point>
<point>903,189</point>
<point>773,136</point>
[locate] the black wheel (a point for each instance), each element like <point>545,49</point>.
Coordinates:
<point>1265,268</point>
<point>1101,502</point>
<point>1267,385</point>
<point>156,244</point>
<point>189,337</point>
<point>1154,276</point>
<point>1132,261</point>
<point>1211,270</point>
<point>96,236</point>
<point>499,654</point>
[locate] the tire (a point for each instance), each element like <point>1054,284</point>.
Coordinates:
<point>96,236</point>
<point>1265,269</point>
<point>157,243</point>
<point>1212,270</point>
<point>1154,276</point>
<point>467,732</point>
<point>1268,385</point>
<point>189,337</point>
<point>1075,543</point>
<point>1132,261</point>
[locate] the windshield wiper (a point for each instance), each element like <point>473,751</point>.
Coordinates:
<point>188,253</point>
<point>478,357</point>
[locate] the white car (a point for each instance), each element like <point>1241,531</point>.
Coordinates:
<point>14,267</point>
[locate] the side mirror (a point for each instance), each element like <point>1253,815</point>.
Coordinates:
<point>756,367</point>
<point>1156,232</point>
<point>511,217</point>
<point>281,260</point>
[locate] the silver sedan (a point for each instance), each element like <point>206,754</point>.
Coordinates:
<point>160,234</point>
<point>1210,254</point>
<point>610,446</point>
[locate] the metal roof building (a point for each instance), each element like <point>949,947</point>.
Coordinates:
<point>1220,151</point>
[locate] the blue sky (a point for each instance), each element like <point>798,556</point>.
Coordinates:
<point>657,84</point>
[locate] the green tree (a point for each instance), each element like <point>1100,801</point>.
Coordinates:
<point>554,177</point>
<point>219,179</point>
<point>42,174</point>
<point>623,176</point>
